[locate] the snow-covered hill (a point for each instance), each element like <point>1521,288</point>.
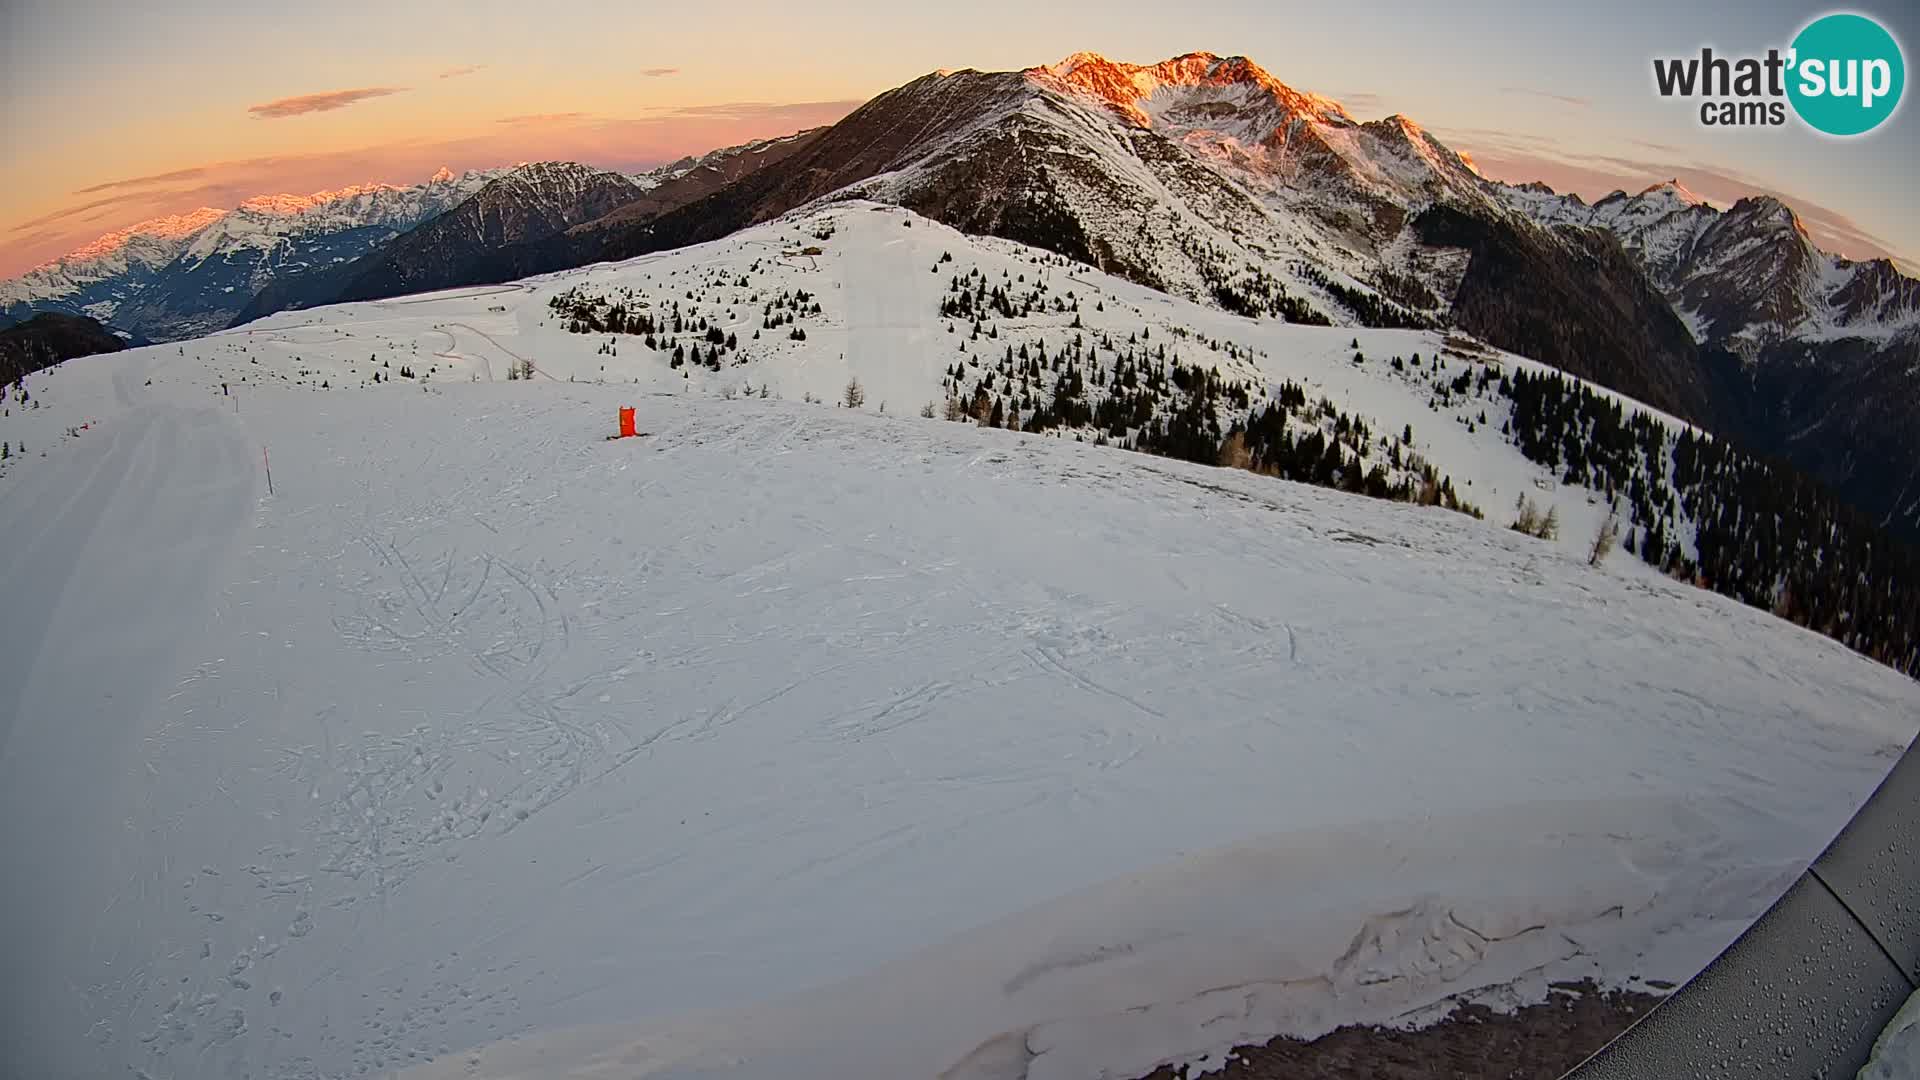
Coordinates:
<point>930,319</point>
<point>1207,178</point>
<point>796,740</point>
<point>880,277</point>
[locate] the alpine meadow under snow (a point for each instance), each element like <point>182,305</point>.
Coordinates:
<point>804,741</point>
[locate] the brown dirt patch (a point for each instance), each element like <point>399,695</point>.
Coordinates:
<point>1537,1042</point>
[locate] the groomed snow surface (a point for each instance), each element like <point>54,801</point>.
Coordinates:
<point>789,741</point>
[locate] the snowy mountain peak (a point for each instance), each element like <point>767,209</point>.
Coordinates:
<point>552,168</point>
<point>1233,115</point>
<point>1672,190</point>
<point>1067,68</point>
<point>554,172</point>
<point>299,204</point>
<point>441,175</point>
<point>554,183</point>
<point>1763,211</point>
<point>1196,84</point>
<point>716,159</point>
<point>1747,276</point>
<point>1400,130</point>
<point>172,227</point>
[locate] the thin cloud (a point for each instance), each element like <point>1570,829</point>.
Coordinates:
<point>1564,99</point>
<point>37,239</point>
<point>1483,138</point>
<point>226,183</point>
<point>146,181</point>
<point>461,71</point>
<point>760,111</point>
<point>658,73</point>
<point>543,119</point>
<point>1362,100</point>
<point>74,211</point>
<point>321,102</point>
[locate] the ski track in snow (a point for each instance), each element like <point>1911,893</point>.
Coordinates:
<point>861,745</point>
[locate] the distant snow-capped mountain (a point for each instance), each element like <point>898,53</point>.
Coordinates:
<point>141,248</point>
<point>188,274</point>
<point>527,201</point>
<point>528,205</point>
<point>98,278</point>
<point>1815,357</point>
<point>1747,276</point>
<point>728,160</point>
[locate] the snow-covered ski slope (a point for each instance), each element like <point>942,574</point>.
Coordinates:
<point>790,740</point>
<point>879,279</point>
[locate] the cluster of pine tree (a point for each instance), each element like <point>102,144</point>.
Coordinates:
<point>1258,294</point>
<point>1373,310</point>
<point>970,298</point>
<point>1405,290</point>
<point>1763,533</point>
<point>1140,396</point>
<point>1121,389</point>
<point>1324,446</point>
<point>787,307</point>
<point>1251,291</point>
<point>662,329</point>
<point>589,313</point>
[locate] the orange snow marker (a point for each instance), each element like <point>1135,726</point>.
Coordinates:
<point>626,423</point>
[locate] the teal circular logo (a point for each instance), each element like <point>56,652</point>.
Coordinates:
<point>1847,74</point>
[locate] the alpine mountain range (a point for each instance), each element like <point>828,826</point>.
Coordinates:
<point>1202,176</point>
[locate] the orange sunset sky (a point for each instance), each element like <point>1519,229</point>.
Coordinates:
<point>118,112</point>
